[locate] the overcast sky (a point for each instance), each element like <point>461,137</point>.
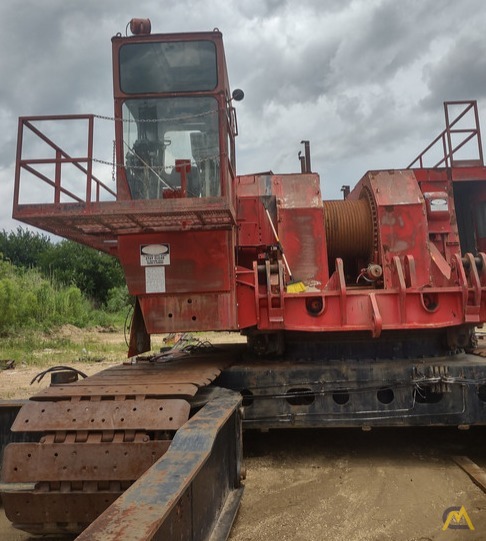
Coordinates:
<point>363,80</point>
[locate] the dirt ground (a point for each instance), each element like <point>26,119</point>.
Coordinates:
<point>348,485</point>
<point>338,484</point>
<point>16,383</point>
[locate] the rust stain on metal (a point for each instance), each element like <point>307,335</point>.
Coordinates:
<point>100,435</point>
<point>99,388</point>
<point>150,414</point>
<point>79,462</point>
<point>75,510</point>
<point>142,510</point>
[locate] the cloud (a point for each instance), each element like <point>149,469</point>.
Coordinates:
<point>363,80</point>
<point>460,74</point>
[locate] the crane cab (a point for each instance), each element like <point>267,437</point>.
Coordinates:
<point>176,124</point>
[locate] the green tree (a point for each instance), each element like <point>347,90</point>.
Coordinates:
<point>68,263</point>
<point>23,247</point>
<point>94,273</point>
<point>29,301</point>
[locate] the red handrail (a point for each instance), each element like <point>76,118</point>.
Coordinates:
<point>83,163</point>
<point>445,137</point>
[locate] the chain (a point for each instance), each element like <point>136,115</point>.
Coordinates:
<point>113,171</point>
<point>168,168</point>
<point>152,120</point>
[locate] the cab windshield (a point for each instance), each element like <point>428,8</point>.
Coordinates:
<point>154,67</point>
<point>171,147</point>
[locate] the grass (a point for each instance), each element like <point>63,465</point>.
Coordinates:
<point>38,348</point>
<point>41,321</point>
<point>29,301</point>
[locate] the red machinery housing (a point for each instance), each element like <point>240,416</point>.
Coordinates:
<point>396,268</point>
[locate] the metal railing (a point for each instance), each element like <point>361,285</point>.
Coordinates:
<point>94,187</point>
<point>445,138</point>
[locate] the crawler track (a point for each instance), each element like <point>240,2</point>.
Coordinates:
<point>95,438</point>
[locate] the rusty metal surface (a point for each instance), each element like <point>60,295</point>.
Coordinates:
<point>150,414</point>
<point>79,462</point>
<point>97,436</point>
<point>35,512</point>
<point>194,369</point>
<point>182,377</point>
<point>212,311</point>
<point>179,379</point>
<point>408,390</point>
<point>171,500</point>
<point>120,389</point>
<point>98,224</point>
<point>423,286</point>
<point>8,411</point>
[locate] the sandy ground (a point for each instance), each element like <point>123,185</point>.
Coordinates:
<point>347,485</point>
<point>338,484</point>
